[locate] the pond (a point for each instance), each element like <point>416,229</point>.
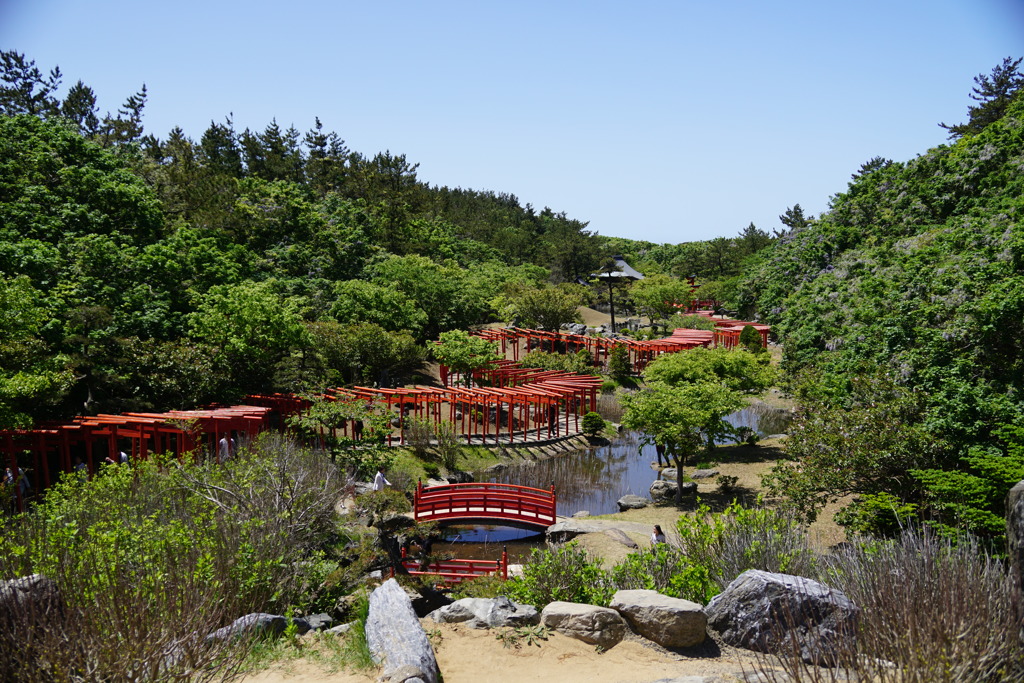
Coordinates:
<point>591,480</point>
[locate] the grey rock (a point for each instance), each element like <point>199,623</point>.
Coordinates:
<point>260,623</point>
<point>458,477</point>
<point>778,613</point>
<point>562,532</point>
<point>29,600</point>
<point>589,623</point>
<point>435,482</point>
<point>664,491</point>
<point>1015,530</point>
<point>497,467</point>
<point>486,613</point>
<point>668,474</point>
<point>631,502</point>
<point>703,474</point>
<point>319,622</point>
<point>581,514</point>
<point>341,629</point>
<point>406,673</point>
<point>621,536</point>
<point>575,328</point>
<point>669,622</point>
<point>394,635</point>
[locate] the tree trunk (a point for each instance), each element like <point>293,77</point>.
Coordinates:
<point>679,480</point>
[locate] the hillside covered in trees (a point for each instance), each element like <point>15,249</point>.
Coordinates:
<point>902,313</point>
<point>145,273</point>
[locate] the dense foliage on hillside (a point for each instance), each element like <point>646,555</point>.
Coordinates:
<point>915,278</point>
<point>143,273</point>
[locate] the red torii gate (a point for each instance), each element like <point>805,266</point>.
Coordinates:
<point>49,447</point>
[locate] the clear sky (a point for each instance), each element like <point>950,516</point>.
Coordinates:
<point>664,121</point>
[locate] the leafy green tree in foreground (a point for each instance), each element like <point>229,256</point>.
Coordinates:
<point>737,369</point>
<point>682,419</point>
<point>464,353</point>
<point>545,308</point>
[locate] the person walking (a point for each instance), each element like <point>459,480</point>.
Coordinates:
<point>379,482</point>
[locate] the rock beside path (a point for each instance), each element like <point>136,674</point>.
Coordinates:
<point>778,613</point>
<point>631,502</point>
<point>601,626</point>
<point>395,637</point>
<point>486,613</point>
<point>668,621</point>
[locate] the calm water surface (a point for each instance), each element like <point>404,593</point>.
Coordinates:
<point>591,480</point>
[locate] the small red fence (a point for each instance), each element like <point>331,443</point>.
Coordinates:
<point>505,504</point>
<point>454,571</point>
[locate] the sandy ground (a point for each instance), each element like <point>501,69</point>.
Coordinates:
<point>466,655</point>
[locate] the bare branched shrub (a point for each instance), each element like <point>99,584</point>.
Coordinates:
<point>931,609</point>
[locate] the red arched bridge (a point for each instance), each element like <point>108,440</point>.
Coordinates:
<point>501,504</point>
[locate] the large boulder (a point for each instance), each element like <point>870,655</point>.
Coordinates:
<point>664,490</point>
<point>395,637</point>
<point>631,502</point>
<point>258,623</point>
<point>780,613</point>
<point>591,624</point>
<point>669,622</point>
<point>486,613</point>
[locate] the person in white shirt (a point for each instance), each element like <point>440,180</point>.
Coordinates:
<point>379,482</point>
<point>658,536</point>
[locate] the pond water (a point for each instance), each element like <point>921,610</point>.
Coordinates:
<point>591,480</point>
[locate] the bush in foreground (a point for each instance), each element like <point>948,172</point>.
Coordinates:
<point>151,558</point>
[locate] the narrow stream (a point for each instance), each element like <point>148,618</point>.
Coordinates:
<point>591,480</point>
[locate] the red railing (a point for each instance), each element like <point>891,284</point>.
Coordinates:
<point>454,571</point>
<point>496,503</point>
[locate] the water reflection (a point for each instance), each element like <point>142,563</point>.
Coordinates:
<point>762,418</point>
<point>591,480</point>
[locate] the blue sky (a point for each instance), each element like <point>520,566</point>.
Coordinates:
<point>664,121</point>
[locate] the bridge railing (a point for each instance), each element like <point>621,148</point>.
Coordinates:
<point>453,571</point>
<point>500,502</point>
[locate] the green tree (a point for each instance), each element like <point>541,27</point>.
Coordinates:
<point>359,301</point>
<point>737,369</point>
<point>660,297</point>
<point>865,444</point>
<point>680,418</point>
<point>545,308</point>
<point>464,353</point>
<point>30,377</point>
<point>24,89</point>
<point>994,94</point>
<point>251,326</point>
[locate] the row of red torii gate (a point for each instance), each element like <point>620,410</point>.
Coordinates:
<point>508,404</point>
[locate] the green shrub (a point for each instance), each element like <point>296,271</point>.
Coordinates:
<point>593,424</point>
<point>728,543</point>
<point>619,367</point>
<point>665,569</point>
<point>750,339</point>
<point>564,573</point>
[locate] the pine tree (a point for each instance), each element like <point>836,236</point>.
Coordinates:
<point>994,93</point>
